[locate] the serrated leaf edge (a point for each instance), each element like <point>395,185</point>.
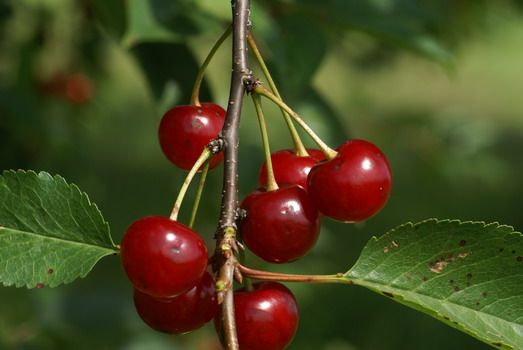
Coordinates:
<point>442,221</point>
<point>83,195</point>
<point>385,288</point>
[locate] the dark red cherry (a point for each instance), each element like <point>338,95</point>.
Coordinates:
<point>185,130</point>
<point>184,313</point>
<point>76,88</point>
<point>281,225</point>
<point>266,317</point>
<point>290,168</point>
<point>215,108</point>
<point>162,257</point>
<point>354,185</point>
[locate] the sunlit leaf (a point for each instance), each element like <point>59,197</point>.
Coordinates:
<point>50,232</point>
<point>466,274</point>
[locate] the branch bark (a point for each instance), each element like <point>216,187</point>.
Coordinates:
<point>225,259</point>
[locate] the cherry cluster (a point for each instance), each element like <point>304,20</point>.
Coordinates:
<point>167,261</point>
<point>283,225</point>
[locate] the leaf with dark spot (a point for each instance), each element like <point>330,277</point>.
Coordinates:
<point>50,232</point>
<point>447,270</point>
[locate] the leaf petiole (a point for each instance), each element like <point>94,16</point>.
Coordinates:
<point>284,277</point>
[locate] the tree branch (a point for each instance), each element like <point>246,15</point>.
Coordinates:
<point>226,234</point>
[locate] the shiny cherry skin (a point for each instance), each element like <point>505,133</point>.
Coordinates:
<point>162,257</point>
<point>266,317</point>
<point>280,226</point>
<point>215,108</point>
<point>354,185</point>
<point>185,130</point>
<point>183,313</point>
<point>290,168</point>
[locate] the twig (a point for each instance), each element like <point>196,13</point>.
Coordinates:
<point>226,234</point>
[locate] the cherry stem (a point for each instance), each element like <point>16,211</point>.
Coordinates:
<point>206,154</point>
<point>195,96</point>
<point>248,285</point>
<point>241,260</point>
<point>199,191</point>
<point>298,144</point>
<point>271,180</point>
<point>329,152</point>
<point>285,277</point>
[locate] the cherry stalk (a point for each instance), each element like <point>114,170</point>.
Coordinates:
<point>195,95</point>
<point>300,149</point>
<point>260,89</point>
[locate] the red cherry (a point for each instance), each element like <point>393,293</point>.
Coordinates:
<point>354,185</point>
<point>181,314</point>
<point>185,130</point>
<point>290,168</point>
<point>215,108</point>
<point>281,225</point>
<point>162,257</point>
<point>266,317</point>
<point>78,88</point>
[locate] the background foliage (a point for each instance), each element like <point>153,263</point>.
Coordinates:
<point>436,84</point>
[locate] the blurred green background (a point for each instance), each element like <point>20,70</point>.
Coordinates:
<point>436,84</point>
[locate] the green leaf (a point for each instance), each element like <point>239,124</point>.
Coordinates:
<point>466,274</point>
<point>111,14</point>
<point>157,60</point>
<point>50,232</point>
<point>324,119</point>
<point>405,23</point>
<point>297,48</point>
<point>160,21</point>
